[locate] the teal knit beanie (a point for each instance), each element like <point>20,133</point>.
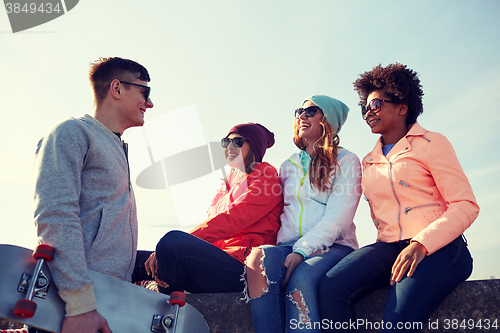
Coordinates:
<point>334,110</point>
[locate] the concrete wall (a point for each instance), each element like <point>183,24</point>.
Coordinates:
<point>472,301</point>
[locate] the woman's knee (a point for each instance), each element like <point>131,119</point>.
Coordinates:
<point>254,259</point>
<point>256,278</point>
<point>263,268</point>
<point>332,285</point>
<point>172,241</point>
<point>325,285</point>
<point>255,266</point>
<point>264,256</point>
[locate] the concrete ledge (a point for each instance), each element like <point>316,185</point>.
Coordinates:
<point>471,301</point>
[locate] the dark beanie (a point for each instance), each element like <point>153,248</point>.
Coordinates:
<point>259,137</point>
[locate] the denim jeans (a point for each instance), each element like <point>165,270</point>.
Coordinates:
<point>268,310</point>
<point>186,262</point>
<point>411,301</point>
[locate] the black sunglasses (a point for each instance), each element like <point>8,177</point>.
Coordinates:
<point>237,142</point>
<point>145,93</point>
<point>309,112</point>
<point>374,106</point>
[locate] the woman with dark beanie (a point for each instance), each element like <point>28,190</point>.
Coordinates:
<point>244,213</point>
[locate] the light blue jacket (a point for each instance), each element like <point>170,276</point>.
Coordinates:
<point>314,220</point>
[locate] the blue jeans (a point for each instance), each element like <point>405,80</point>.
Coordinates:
<point>412,300</point>
<point>186,262</point>
<point>268,310</point>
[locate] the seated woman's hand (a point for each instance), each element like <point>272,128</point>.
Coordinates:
<point>292,261</point>
<point>408,259</point>
<point>152,270</point>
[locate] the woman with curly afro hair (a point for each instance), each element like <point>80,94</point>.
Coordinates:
<point>420,201</point>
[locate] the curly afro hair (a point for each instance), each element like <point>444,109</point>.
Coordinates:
<point>399,83</point>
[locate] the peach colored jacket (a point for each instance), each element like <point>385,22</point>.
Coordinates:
<point>418,191</point>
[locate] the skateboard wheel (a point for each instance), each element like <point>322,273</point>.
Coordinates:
<point>43,251</point>
<point>25,308</point>
<point>177,297</point>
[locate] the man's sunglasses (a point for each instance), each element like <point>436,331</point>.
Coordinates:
<point>374,106</point>
<point>237,142</point>
<point>145,93</point>
<point>309,112</point>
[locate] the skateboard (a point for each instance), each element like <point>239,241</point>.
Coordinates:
<point>126,306</point>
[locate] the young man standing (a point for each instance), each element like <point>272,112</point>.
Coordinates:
<point>84,203</point>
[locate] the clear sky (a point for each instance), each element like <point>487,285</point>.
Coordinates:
<point>239,61</point>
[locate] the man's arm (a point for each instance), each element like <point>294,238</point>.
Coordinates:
<point>58,166</point>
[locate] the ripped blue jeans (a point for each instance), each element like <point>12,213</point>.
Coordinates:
<point>270,312</point>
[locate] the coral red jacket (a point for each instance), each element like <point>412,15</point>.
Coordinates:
<point>246,215</point>
<point>418,190</point>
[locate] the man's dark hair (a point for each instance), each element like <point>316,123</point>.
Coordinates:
<point>105,70</point>
<point>398,82</point>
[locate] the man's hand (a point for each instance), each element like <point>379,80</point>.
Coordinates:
<point>90,322</point>
<point>151,266</point>
<point>409,258</point>
<point>292,261</point>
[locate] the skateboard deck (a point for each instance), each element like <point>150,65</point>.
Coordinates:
<point>126,307</point>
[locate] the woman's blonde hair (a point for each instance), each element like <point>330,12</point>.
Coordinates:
<point>324,163</point>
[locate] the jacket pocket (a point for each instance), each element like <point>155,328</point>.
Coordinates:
<point>401,182</point>
<point>100,230</point>
<point>408,209</point>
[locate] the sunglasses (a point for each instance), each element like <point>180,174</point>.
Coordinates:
<point>145,93</point>
<point>237,142</point>
<point>309,112</point>
<point>374,106</point>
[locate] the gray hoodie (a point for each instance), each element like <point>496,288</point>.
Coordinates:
<point>84,207</point>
